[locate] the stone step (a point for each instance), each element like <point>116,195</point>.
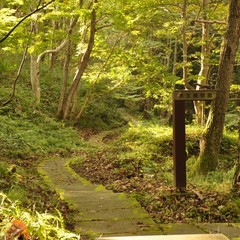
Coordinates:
<point>170,237</point>
<point>98,211</point>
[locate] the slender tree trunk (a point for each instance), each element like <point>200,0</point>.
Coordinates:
<point>169,52</point>
<point>34,70</point>
<point>86,101</point>
<point>75,104</point>
<point>174,57</point>
<point>53,56</point>
<point>205,59</point>
<point>88,95</point>
<point>35,78</point>
<point>185,46</point>
<point>81,67</point>
<point>66,66</point>
<point>65,77</point>
<point>212,136</point>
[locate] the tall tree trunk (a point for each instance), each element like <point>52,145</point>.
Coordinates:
<point>53,56</point>
<point>169,52</point>
<point>174,57</point>
<point>185,46</point>
<point>34,70</point>
<point>205,58</point>
<point>81,67</point>
<point>212,136</point>
<point>74,105</point>
<point>35,78</point>
<point>65,77</point>
<point>66,64</point>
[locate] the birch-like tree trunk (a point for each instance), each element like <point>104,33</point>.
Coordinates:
<point>205,59</point>
<point>185,46</point>
<point>81,67</point>
<point>65,72</point>
<point>34,71</point>
<point>212,136</point>
<point>174,69</point>
<point>65,75</point>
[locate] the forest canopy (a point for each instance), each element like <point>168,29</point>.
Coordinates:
<point>92,81</point>
<point>81,61</point>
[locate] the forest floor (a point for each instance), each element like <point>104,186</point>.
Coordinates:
<point>159,199</point>
<point>174,213</point>
<point>100,212</point>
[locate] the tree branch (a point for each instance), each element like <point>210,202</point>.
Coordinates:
<point>63,44</point>
<point>103,26</point>
<point>57,49</point>
<point>19,71</point>
<point>27,16</point>
<point>210,22</point>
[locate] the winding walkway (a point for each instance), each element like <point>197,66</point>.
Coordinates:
<point>102,213</point>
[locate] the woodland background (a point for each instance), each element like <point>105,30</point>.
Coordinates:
<point>71,68</point>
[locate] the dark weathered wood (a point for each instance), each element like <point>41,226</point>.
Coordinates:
<point>194,95</point>
<point>179,142</point>
<point>179,135</point>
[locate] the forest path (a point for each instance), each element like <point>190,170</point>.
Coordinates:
<point>100,212</point>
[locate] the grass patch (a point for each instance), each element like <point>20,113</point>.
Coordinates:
<point>24,137</point>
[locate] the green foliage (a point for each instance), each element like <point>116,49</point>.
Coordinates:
<point>4,169</point>
<point>150,137</point>
<point>147,148</point>
<point>7,18</point>
<point>18,193</point>
<point>35,134</point>
<point>101,114</point>
<point>232,121</point>
<point>40,225</point>
<point>220,180</point>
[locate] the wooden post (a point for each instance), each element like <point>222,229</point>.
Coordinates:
<point>179,145</point>
<point>179,135</point>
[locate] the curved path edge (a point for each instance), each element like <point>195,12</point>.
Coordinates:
<point>100,212</point>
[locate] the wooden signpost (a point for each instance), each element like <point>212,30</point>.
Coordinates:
<point>179,135</point>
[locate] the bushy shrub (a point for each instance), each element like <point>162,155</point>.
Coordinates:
<point>40,225</point>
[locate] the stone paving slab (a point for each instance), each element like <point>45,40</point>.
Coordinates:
<point>170,237</point>
<point>119,227</point>
<point>100,202</point>
<point>181,228</point>
<point>230,230</point>
<point>100,211</point>
<point>106,213</point>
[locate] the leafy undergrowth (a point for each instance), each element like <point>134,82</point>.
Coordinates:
<point>25,135</point>
<point>139,163</point>
<point>26,197</point>
<point>25,139</point>
<point>39,225</point>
